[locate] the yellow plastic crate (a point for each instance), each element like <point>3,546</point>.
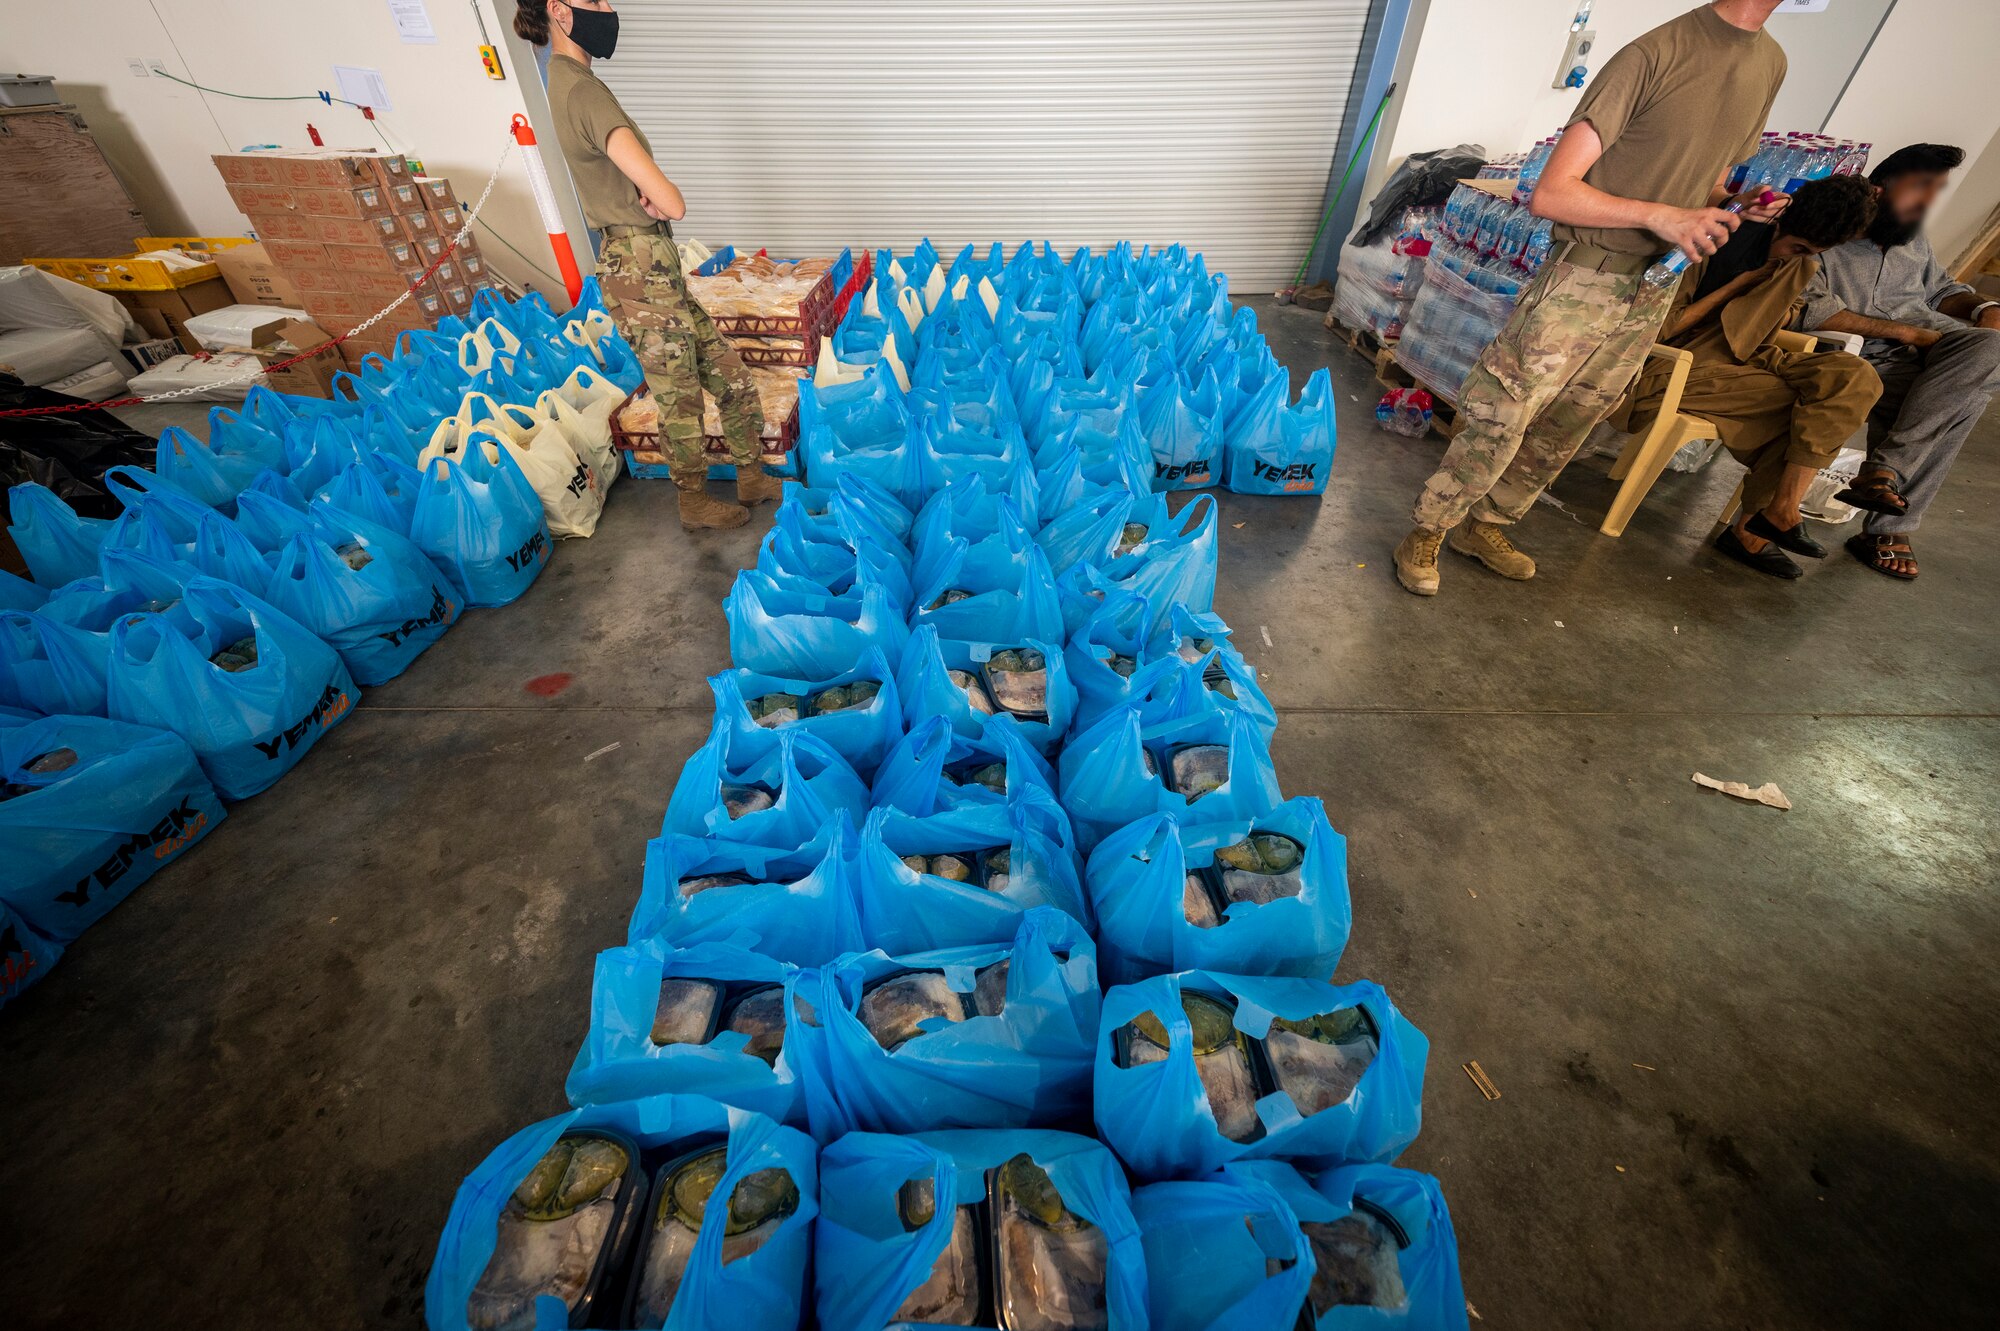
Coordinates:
<point>136,272</point>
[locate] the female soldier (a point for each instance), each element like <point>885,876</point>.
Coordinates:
<point>627,198</point>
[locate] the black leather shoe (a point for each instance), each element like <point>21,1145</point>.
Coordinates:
<point>1791,538</point>
<point>1769,560</point>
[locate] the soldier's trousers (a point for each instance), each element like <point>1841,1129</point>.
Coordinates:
<point>682,354</point>
<point>1558,368</point>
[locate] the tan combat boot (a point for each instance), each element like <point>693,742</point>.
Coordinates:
<point>1488,544</point>
<point>754,485</point>
<point>1417,561</point>
<point>699,509</point>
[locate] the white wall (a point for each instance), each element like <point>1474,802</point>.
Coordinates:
<point>1475,71</point>
<point>1929,79</point>
<point>159,135</point>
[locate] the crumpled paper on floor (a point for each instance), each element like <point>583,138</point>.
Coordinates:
<point>1768,793</point>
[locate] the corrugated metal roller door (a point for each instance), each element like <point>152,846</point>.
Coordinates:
<point>805,124</point>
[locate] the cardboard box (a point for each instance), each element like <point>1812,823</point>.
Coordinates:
<point>418,224</point>
<point>152,322</point>
<point>321,168</point>
<point>260,199</point>
<point>362,259</point>
<point>284,226</point>
<point>340,309</point>
<point>178,304</point>
<point>283,339</point>
<point>472,267</point>
<point>457,297</point>
<point>405,197</point>
<point>377,288</point>
<point>405,255</point>
<point>367,201</point>
<point>294,255</point>
<point>437,191</point>
<point>254,278</point>
<point>432,248</point>
<point>309,282</point>
<point>448,218</point>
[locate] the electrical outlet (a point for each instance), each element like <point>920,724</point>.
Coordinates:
<point>1575,66</point>
<point>138,67</point>
<point>158,67</point>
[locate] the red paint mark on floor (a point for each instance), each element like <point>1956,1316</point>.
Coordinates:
<point>548,686</point>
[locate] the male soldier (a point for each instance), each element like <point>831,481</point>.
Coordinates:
<point>1783,414</point>
<point>1935,342</point>
<point>1640,167</point>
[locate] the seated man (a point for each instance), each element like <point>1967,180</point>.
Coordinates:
<point>1784,414</point>
<point>1935,343</point>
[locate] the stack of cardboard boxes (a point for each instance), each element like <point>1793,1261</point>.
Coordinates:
<point>351,231</point>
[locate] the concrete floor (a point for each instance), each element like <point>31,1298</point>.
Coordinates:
<point>1740,1051</point>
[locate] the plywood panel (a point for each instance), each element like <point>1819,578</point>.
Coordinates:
<point>62,200</point>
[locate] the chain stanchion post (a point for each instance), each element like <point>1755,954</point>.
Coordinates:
<point>545,203</point>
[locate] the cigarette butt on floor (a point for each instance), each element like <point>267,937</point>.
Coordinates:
<point>1481,1080</point>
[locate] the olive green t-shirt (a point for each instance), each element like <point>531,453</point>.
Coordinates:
<point>1676,109</point>
<point>586,113</point>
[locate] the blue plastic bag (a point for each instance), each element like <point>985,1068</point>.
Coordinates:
<point>49,667</point>
<point>480,521</point>
<point>767,1288</point>
<point>1158,1116</point>
<point>1005,602</point>
<point>17,593</point>
<point>1175,563</point>
<point>796,547</point>
<point>1027,1064</point>
<point>882,507</point>
<point>620,1060</point>
<point>380,489</point>
<point>215,475</point>
<point>58,545</point>
<point>248,727</point>
<point>1223,1253</point>
<point>1219,681</point>
<point>1276,449</point>
<point>867,1262</point>
<point>800,784</point>
<point>1115,773</point>
<point>1183,424</point>
<point>796,629</point>
<point>109,804</point>
<point>222,550</point>
<point>797,906</point>
<point>1136,878</point>
<point>25,956</point>
<point>319,448</point>
<point>933,768</point>
<point>381,616</point>
<point>1100,529</point>
<point>924,680</point>
<point>862,735</point>
<point>1427,1254</point>
<point>904,909</point>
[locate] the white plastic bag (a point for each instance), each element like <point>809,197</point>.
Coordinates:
<point>1819,502</point>
<point>582,406</point>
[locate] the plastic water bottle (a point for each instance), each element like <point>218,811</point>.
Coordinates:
<point>1540,241</point>
<point>1668,270</point>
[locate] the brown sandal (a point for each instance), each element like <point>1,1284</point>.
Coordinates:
<point>1883,552</point>
<point>1879,490</point>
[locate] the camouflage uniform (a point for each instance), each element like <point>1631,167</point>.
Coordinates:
<point>1560,365</point>
<point>677,345</point>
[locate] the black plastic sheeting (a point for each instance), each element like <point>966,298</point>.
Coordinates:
<point>67,452</point>
<point>1423,179</point>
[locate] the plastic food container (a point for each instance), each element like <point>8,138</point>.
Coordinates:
<point>1356,1263</point>
<point>956,1292</point>
<point>565,1230</point>
<point>681,1192</point>
<point>1048,1262</point>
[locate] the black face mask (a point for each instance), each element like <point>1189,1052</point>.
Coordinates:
<point>595,30</point>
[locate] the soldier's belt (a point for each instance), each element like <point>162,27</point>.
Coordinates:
<point>1580,255</point>
<point>619,231</point>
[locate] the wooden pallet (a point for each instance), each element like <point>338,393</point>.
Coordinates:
<point>1363,342</point>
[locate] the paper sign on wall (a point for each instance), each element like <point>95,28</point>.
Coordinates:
<point>1801,7</point>
<point>413,21</point>
<point>357,83</point>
